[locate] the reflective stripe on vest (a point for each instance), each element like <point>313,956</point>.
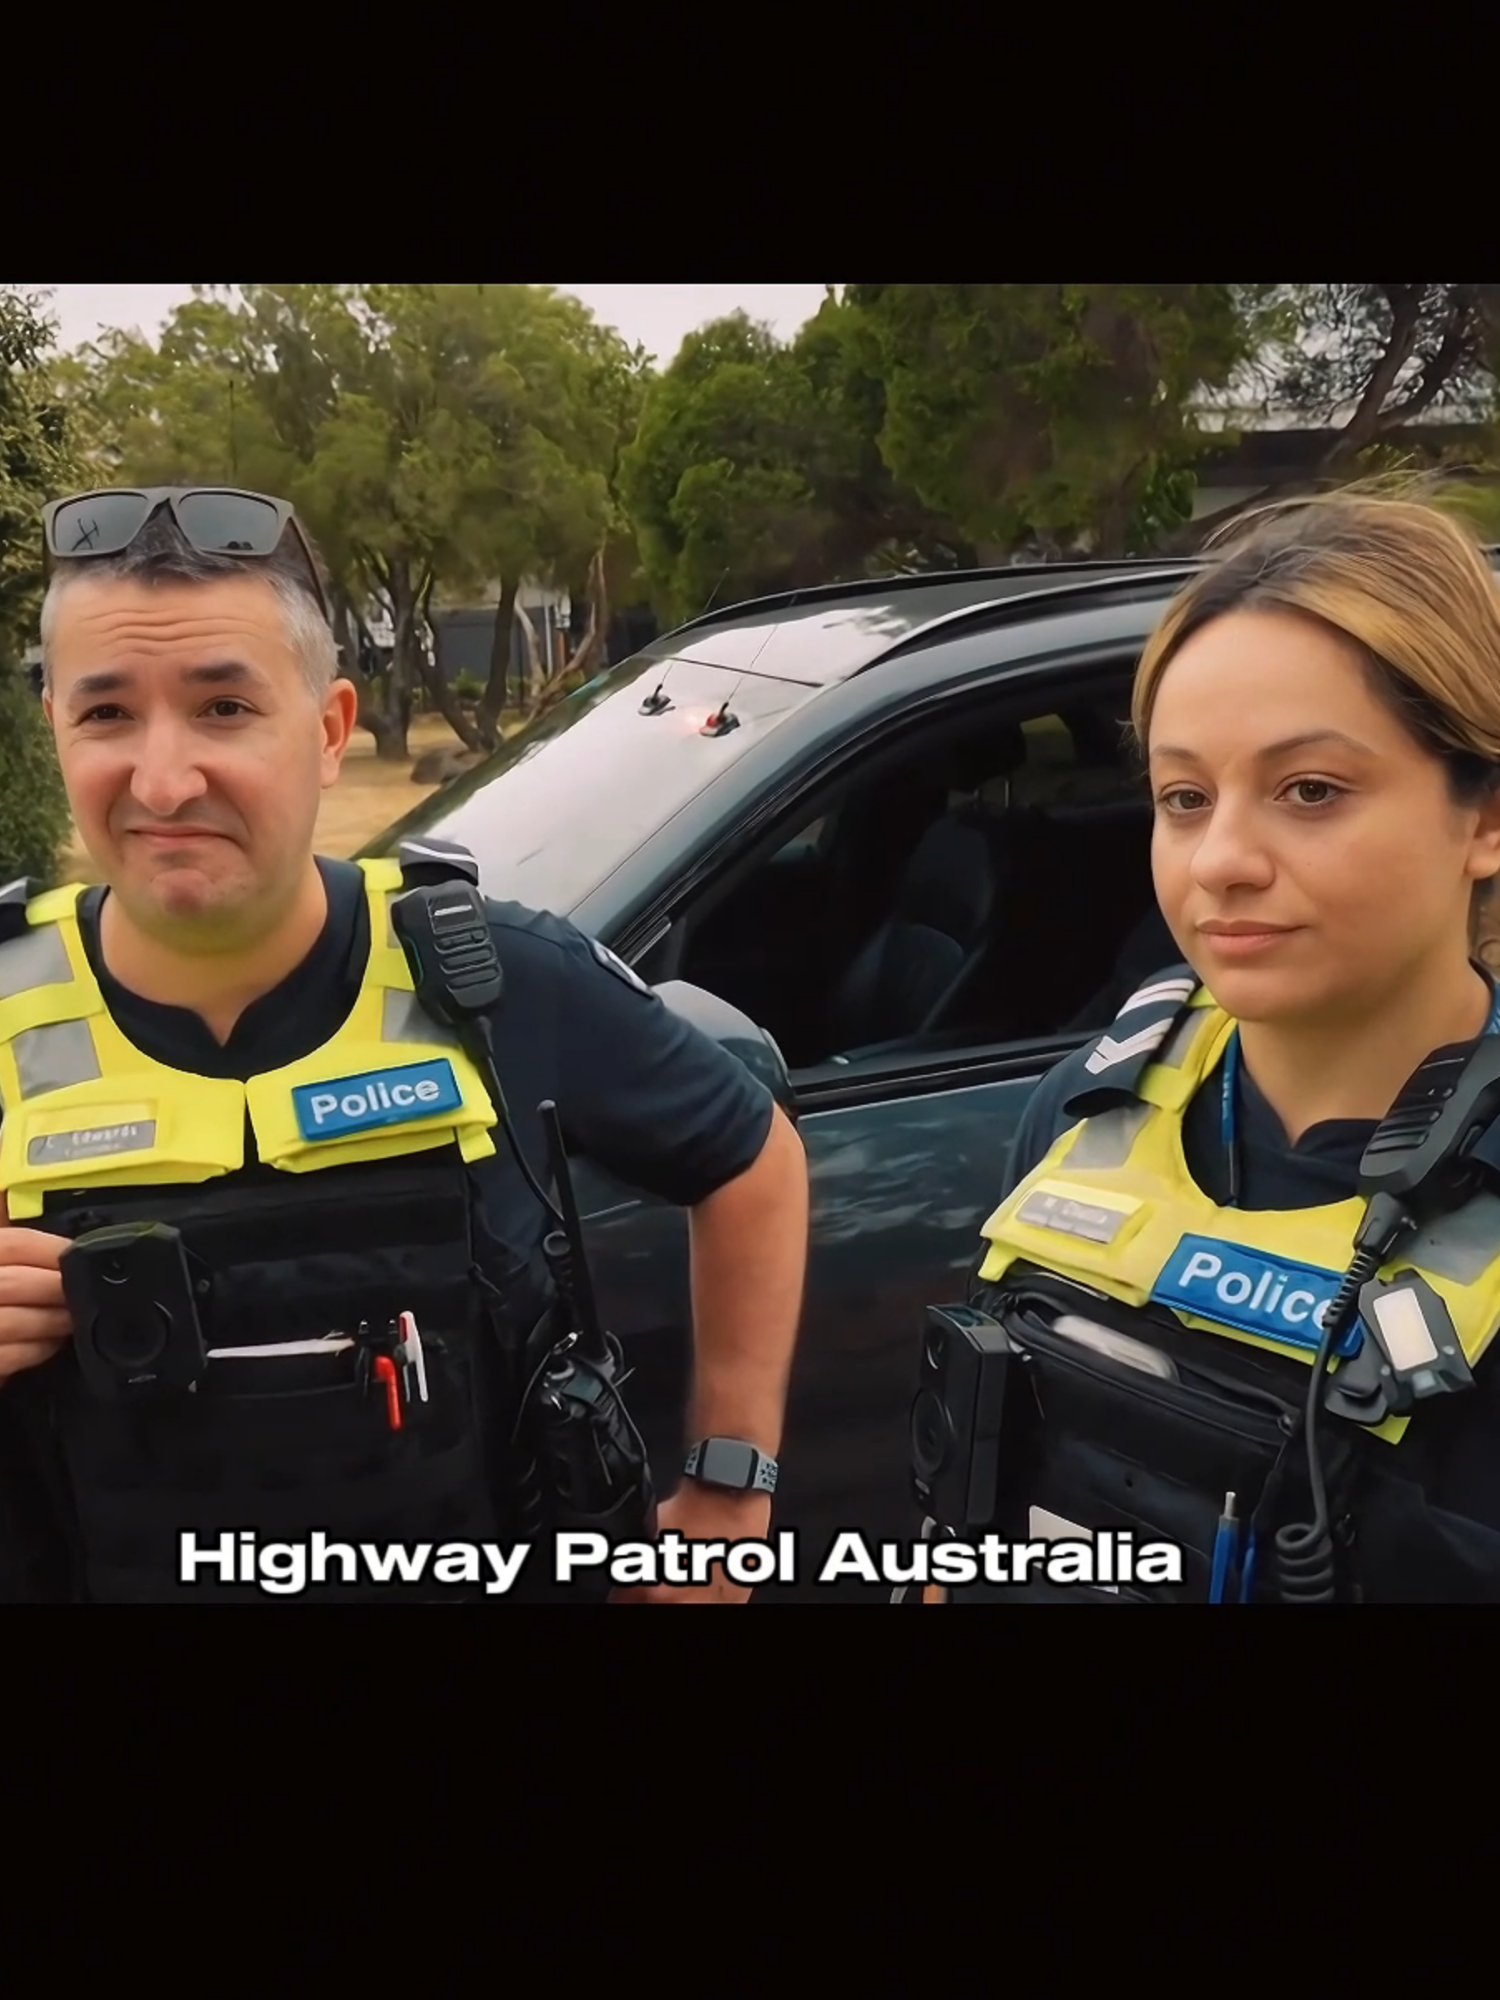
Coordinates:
<point>1113,1206</point>
<point>83,1107</point>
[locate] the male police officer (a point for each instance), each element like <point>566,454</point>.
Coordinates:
<point>170,1043</point>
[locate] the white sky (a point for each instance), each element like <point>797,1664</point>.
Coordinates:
<point>656,315</point>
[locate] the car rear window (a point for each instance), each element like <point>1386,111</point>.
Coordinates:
<point>560,806</point>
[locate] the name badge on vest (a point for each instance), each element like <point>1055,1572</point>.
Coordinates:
<point>1046,1208</point>
<point>1276,1298</point>
<point>92,1142</point>
<point>381,1097</point>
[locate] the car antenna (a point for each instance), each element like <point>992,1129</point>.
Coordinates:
<point>658,699</point>
<point>723,719</point>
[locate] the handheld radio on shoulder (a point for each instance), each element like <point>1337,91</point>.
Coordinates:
<point>1434,1149</point>
<point>443,930</point>
<point>1428,1152</point>
<point>596,1467</point>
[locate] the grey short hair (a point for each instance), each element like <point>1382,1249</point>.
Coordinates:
<point>160,553</point>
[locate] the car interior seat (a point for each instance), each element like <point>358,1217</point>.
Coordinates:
<point>1080,836</point>
<point>1149,949</point>
<point>915,968</point>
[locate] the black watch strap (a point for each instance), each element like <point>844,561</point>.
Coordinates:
<point>732,1464</point>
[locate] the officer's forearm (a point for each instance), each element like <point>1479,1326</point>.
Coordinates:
<point>749,1261</point>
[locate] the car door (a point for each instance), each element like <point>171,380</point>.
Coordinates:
<point>904,1168</point>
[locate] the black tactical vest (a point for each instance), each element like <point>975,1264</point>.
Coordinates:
<point>299,1450</point>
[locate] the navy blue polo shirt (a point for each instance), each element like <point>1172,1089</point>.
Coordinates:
<point>1321,1168</point>
<point>648,1097</point>
<point>643,1093</point>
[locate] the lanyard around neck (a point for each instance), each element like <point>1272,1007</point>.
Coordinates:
<point>1229,1105</point>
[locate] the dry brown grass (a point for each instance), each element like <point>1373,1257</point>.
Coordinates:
<point>367,798</point>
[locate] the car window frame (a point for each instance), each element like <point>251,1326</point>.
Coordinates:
<point>776,812</point>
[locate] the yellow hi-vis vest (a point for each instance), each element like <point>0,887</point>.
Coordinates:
<point>1113,1206</point>
<point>82,1107</point>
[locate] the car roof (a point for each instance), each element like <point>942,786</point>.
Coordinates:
<point>830,633</point>
<point>820,636</point>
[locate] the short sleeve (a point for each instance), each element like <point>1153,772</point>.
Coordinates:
<point>645,1094</point>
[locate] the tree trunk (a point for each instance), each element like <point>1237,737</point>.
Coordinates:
<point>390,747</point>
<point>378,715</point>
<point>388,731</point>
<point>1112,528</point>
<point>1369,418</point>
<point>1471,308</point>
<point>555,685</point>
<point>492,704</point>
<point>436,682</point>
<point>533,657</point>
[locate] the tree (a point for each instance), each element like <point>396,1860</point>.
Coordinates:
<point>1366,362</point>
<point>1380,356</point>
<point>431,436</point>
<point>36,464</point>
<point>755,468</point>
<point>560,415</point>
<point>1054,411</point>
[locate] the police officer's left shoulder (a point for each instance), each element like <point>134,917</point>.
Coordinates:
<point>647,1095</point>
<point>1107,1068</point>
<point>540,937</point>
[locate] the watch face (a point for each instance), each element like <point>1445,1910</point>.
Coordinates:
<point>731,1463</point>
<point>727,1462</point>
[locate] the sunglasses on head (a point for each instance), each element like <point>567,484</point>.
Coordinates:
<point>215,520</point>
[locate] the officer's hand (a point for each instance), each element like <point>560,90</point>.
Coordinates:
<point>34,1318</point>
<point>704,1514</point>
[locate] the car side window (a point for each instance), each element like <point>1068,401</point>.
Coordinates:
<point>805,842</point>
<point>963,886</point>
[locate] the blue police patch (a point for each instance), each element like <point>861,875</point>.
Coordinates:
<point>1275,1297</point>
<point>381,1097</point>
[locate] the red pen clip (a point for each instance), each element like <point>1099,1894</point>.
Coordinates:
<point>384,1370</point>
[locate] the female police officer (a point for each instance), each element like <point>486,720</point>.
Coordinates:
<point>1320,714</point>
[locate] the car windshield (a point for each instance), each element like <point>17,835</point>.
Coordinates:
<point>564,802</point>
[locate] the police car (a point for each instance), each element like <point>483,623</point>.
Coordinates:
<point>884,839</point>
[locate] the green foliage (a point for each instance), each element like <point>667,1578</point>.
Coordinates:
<point>35,461</point>
<point>34,816</point>
<point>929,425</point>
<point>756,468</point>
<point>1475,502</point>
<point>36,464</point>
<point>1060,410</point>
<point>440,438</point>
<point>431,436</point>
<point>714,480</point>
<point>467,431</point>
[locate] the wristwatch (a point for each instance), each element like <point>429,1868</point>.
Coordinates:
<point>732,1464</point>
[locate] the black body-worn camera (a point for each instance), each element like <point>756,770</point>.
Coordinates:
<point>958,1417</point>
<point>130,1291</point>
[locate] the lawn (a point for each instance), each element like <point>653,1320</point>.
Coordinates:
<point>367,798</point>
